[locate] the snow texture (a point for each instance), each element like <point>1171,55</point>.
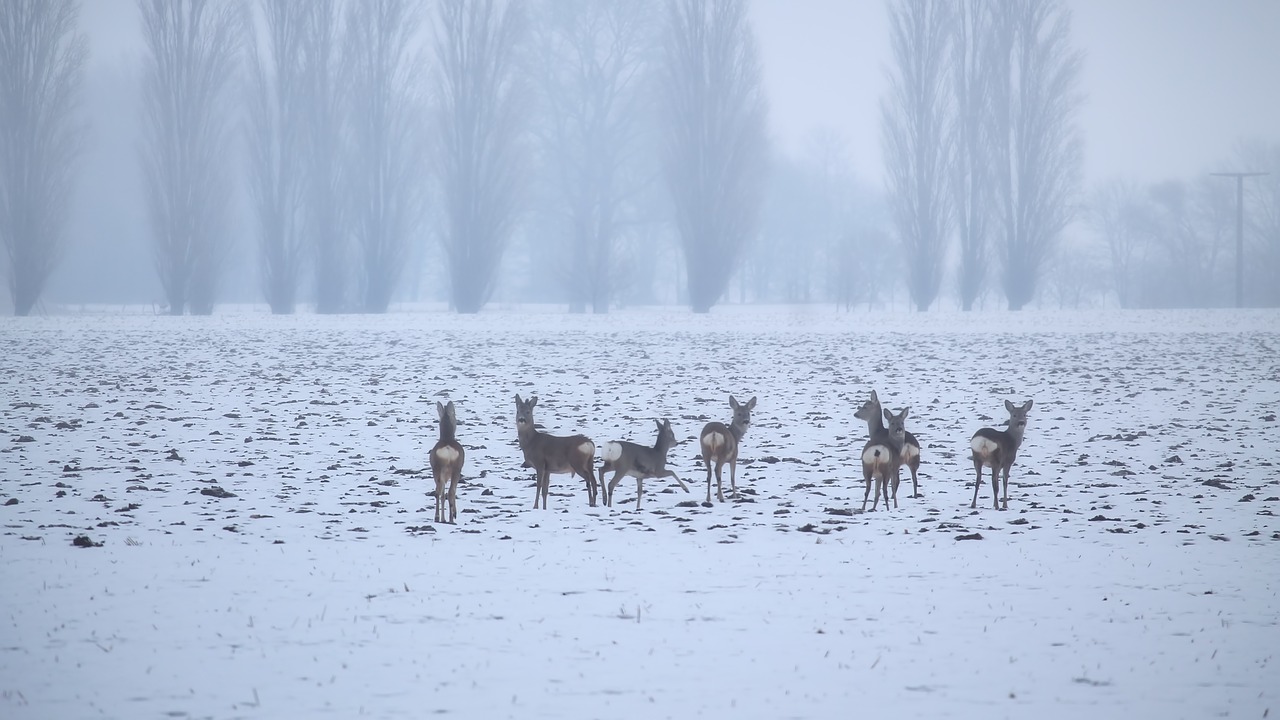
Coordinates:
<point>258,487</point>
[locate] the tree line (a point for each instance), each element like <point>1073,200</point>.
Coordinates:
<point>364,147</point>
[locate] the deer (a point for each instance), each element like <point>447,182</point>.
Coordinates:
<point>628,459</point>
<point>870,412</point>
<point>552,454</point>
<point>882,459</point>
<point>447,457</point>
<point>997,449</point>
<point>720,445</point>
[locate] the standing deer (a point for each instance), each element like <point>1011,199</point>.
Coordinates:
<point>720,445</point>
<point>627,459</point>
<point>870,412</point>
<point>997,449</point>
<point>447,458</point>
<point>548,454</point>
<point>882,459</point>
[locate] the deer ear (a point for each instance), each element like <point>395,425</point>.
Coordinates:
<point>451,409</point>
<point>905,412</point>
<point>439,409</point>
<point>887,415</point>
<point>875,398</point>
<point>658,423</point>
<point>1008,406</point>
<point>1027,407</point>
<point>533,402</point>
<point>751,404</point>
<point>518,400</point>
<point>733,403</point>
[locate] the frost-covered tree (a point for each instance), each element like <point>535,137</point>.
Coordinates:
<point>482,154</point>
<point>191,56</point>
<point>384,159</point>
<point>41,64</point>
<point>918,142</point>
<point>973,41</point>
<point>323,114</point>
<point>1037,148</point>
<point>592,59</point>
<point>714,146</point>
<point>277,144</point>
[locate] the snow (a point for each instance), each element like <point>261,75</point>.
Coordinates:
<point>1134,574</point>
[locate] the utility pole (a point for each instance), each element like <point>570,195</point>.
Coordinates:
<point>1239,176</point>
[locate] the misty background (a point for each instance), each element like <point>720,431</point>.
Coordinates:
<point>596,154</point>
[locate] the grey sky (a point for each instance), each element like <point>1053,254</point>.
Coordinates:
<point>1171,85</point>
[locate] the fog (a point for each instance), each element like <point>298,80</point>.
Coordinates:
<point>1166,92</point>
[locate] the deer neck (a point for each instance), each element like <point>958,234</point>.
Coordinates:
<point>1016,435</point>
<point>448,431</point>
<point>526,437</point>
<point>662,446</point>
<point>875,423</point>
<point>737,430</point>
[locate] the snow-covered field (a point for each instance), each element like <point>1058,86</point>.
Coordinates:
<point>257,485</point>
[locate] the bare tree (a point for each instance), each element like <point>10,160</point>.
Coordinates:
<point>385,151</point>
<point>192,47</point>
<point>1262,202</point>
<point>1195,227</point>
<point>714,145</point>
<point>322,110</point>
<point>41,65</point>
<point>277,145</point>
<point>1037,151</point>
<point>1120,213</point>
<point>972,54</point>
<point>482,153</point>
<point>594,53</point>
<point>917,142</point>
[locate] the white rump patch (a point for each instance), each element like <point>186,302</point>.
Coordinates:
<point>587,448</point>
<point>712,442</point>
<point>447,454</point>
<point>909,452</point>
<point>983,448</point>
<point>870,457</point>
<point>611,452</point>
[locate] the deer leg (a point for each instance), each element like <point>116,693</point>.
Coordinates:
<point>708,482</point>
<point>544,486</point>
<point>639,491</point>
<point>617,477</point>
<point>733,471</point>
<point>720,481</point>
<point>977,484</point>
<point>453,495</point>
<point>995,485</point>
<point>914,465</point>
<point>672,474</point>
<point>1006,487</point>
<point>897,478</point>
<point>866,476</point>
<point>879,478</point>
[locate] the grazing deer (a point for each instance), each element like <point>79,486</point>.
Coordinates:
<point>882,459</point>
<point>720,445</point>
<point>870,412</point>
<point>997,449</point>
<point>548,454</point>
<point>627,459</point>
<point>446,462</point>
